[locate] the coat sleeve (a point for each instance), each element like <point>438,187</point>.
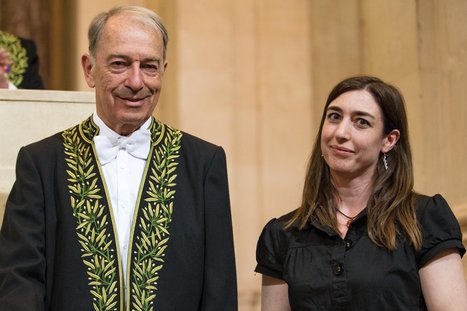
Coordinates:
<point>220,283</point>
<point>22,241</point>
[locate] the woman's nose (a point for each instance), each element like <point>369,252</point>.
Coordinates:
<point>343,130</point>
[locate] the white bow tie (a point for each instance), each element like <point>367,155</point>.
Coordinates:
<point>137,144</point>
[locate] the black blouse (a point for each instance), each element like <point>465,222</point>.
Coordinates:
<point>325,272</point>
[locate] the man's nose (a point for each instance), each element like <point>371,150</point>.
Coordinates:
<point>135,77</point>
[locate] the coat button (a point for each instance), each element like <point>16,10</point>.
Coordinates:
<point>348,244</point>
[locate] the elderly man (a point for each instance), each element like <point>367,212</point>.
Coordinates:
<point>120,212</point>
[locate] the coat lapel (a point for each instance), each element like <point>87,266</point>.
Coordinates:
<point>152,219</point>
<point>95,226</point>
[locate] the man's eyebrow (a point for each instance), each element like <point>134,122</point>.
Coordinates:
<point>128,58</point>
<point>152,59</point>
<point>115,55</point>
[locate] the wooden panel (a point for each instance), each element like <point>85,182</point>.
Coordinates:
<point>30,115</point>
<point>443,71</point>
<point>336,49</point>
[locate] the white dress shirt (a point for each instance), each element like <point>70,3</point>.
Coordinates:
<point>122,176</point>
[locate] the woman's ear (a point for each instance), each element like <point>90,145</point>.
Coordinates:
<point>390,140</point>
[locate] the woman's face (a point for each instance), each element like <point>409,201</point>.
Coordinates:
<point>352,135</point>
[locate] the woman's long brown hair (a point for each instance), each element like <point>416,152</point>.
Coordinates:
<point>391,208</point>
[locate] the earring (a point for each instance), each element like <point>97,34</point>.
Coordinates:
<point>385,161</point>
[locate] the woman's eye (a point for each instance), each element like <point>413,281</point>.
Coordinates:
<point>362,122</point>
<point>333,116</point>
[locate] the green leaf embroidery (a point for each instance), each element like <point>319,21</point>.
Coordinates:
<point>91,221</point>
<point>151,242</point>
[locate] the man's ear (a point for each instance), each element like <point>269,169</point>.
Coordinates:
<point>165,67</point>
<point>390,140</point>
<point>87,63</point>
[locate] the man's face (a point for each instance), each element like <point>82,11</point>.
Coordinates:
<point>126,72</point>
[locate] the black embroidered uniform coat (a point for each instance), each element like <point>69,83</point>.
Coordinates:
<point>58,243</point>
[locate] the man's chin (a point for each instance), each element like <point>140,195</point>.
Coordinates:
<point>130,123</point>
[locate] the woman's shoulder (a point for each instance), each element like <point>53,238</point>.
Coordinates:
<point>279,224</point>
<point>272,246</point>
<point>425,204</point>
<point>280,233</point>
<point>276,228</point>
<point>434,212</point>
<point>423,198</point>
<point>440,227</point>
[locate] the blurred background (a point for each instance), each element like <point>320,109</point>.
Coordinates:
<point>253,75</point>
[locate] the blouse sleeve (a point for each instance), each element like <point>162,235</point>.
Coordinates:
<point>440,228</point>
<point>271,250</point>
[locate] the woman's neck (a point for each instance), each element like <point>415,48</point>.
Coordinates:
<point>353,193</point>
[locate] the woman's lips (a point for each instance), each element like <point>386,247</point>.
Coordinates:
<point>340,150</point>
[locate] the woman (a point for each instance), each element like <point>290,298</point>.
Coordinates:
<point>362,239</point>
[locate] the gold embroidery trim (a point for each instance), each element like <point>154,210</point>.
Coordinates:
<point>152,232</point>
<point>153,225</point>
<point>92,221</point>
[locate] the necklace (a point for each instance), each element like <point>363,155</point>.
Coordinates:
<point>349,219</point>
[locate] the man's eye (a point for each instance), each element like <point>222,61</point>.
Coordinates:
<point>150,68</point>
<point>118,65</point>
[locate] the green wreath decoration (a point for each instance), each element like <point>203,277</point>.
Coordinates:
<point>18,54</point>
